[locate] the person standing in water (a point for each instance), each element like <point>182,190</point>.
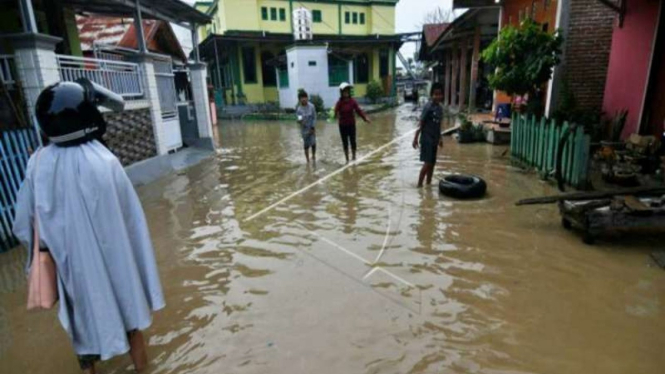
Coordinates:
<point>306,113</point>
<point>78,198</point>
<point>345,110</point>
<point>429,133</point>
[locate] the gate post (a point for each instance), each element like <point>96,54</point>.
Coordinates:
<point>198,73</point>
<point>36,65</point>
<point>151,94</point>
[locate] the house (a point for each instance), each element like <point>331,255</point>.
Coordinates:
<point>251,49</point>
<point>430,34</point>
<point>41,44</point>
<point>455,54</point>
<point>586,26</point>
<point>636,72</point>
<point>113,37</point>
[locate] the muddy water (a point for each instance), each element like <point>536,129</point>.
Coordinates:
<point>363,273</point>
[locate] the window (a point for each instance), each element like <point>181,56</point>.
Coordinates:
<point>355,18</point>
<point>384,63</point>
<point>311,63</point>
<point>273,14</point>
<point>249,64</point>
<point>282,14</point>
<point>338,71</point>
<point>269,73</point>
<point>347,18</point>
<point>283,77</point>
<point>264,13</point>
<point>362,18</point>
<point>316,16</point>
<point>361,68</point>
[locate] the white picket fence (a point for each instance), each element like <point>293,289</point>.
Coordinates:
<point>123,78</point>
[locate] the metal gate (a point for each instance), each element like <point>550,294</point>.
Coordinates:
<point>166,87</point>
<point>168,101</point>
<point>15,148</point>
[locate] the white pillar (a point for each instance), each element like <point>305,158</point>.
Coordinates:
<point>151,94</point>
<point>198,74</point>
<point>36,64</point>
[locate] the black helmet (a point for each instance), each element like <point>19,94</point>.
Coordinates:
<point>67,111</point>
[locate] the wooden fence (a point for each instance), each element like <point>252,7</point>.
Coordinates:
<point>15,146</point>
<point>536,143</point>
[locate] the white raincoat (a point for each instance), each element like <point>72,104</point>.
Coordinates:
<point>92,222</point>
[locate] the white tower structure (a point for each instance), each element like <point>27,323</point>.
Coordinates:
<point>302,24</point>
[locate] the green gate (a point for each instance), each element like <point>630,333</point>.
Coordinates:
<point>536,143</point>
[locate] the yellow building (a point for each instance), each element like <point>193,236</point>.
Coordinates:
<point>245,45</point>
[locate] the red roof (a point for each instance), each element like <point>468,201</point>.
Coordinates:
<point>119,32</point>
<point>433,31</point>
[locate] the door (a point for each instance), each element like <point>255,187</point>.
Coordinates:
<point>168,101</point>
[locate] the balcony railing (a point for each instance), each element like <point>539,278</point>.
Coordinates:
<point>123,78</point>
<point>6,73</point>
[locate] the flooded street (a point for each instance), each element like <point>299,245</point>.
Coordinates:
<point>273,266</point>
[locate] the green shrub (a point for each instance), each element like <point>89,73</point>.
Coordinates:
<point>317,100</point>
<point>374,91</point>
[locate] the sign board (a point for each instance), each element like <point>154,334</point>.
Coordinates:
<point>476,3</point>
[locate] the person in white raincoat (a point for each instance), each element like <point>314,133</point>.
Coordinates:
<point>91,221</point>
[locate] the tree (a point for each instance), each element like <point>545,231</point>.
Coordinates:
<point>436,16</point>
<point>524,57</point>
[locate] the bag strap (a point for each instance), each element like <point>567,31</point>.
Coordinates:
<point>35,225</point>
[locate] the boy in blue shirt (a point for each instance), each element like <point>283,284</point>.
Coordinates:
<point>429,133</point>
<point>306,113</point>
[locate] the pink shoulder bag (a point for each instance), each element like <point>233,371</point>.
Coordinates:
<point>42,281</point>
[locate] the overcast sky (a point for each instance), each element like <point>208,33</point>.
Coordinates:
<point>410,14</point>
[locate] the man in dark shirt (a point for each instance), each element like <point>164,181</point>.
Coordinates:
<point>429,133</point>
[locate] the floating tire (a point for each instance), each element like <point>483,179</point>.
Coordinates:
<point>463,186</point>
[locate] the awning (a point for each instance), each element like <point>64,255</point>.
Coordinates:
<point>347,44</point>
<point>174,11</point>
<point>465,25</point>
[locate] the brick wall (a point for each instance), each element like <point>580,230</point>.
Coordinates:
<point>130,135</point>
<point>587,51</point>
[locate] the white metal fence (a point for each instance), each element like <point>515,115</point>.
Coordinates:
<point>6,74</point>
<point>123,78</point>
<point>166,86</point>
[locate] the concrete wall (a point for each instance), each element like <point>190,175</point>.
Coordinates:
<point>313,79</point>
<point>382,19</point>
<point>246,15</point>
<point>276,26</point>
<point>587,52</point>
<point>130,135</point>
<point>632,47</point>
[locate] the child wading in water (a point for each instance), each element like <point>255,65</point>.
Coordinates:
<point>429,133</point>
<point>306,113</point>
<point>345,110</point>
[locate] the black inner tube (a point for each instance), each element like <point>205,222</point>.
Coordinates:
<point>459,179</point>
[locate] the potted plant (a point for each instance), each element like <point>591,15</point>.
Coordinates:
<point>466,132</point>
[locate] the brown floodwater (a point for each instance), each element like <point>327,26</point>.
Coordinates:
<point>273,266</point>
